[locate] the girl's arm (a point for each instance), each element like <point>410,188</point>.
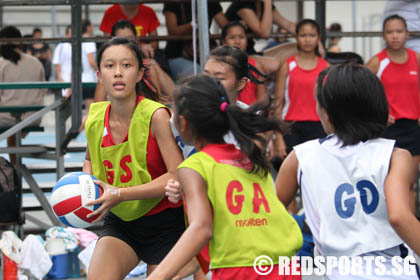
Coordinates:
<point>335,49</point>
<point>281,21</point>
<point>174,28</point>
<point>282,74</point>
<point>280,88</point>
<point>156,188</point>
<point>262,95</point>
<point>92,62</point>
<point>87,164</point>
<point>154,44</point>
<point>221,19</point>
<point>286,181</point>
<point>261,28</point>
<point>266,64</point>
<point>58,72</point>
<point>397,192</point>
<point>199,231</point>
<point>154,77</point>
<point>373,64</point>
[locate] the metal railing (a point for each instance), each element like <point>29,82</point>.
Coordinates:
<point>40,151</point>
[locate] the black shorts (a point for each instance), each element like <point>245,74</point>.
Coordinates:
<point>88,93</point>
<point>406,133</point>
<point>301,132</point>
<point>151,237</point>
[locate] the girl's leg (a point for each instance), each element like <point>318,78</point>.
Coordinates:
<point>151,268</point>
<point>416,162</point>
<point>112,259</point>
<point>191,268</point>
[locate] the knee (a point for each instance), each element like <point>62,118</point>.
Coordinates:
<point>100,274</point>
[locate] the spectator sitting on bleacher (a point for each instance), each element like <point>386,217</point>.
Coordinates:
<point>179,22</point>
<point>41,51</point>
<point>16,66</point>
<point>258,16</point>
<point>143,18</point>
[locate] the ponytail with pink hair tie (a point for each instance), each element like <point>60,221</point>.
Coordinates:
<point>223,106</point>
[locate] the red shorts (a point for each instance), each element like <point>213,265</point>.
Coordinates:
<point>249,273</point>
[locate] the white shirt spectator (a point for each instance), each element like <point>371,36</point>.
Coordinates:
<point>62,56</point>
<point>88,73</point>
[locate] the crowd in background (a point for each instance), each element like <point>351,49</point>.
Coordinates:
<point>230,112</point>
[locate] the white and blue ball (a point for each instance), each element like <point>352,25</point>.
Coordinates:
<point>69,197</point>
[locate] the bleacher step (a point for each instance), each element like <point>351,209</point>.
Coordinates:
<point>25,149</point>
<point>77,147</point>
<point>52,167</point>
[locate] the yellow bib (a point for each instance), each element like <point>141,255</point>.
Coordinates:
<point>123,165</point>
<point>249,220</point>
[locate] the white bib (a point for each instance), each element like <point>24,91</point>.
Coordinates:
<point>346,187</point>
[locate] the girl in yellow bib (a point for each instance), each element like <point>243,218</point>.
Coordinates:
<point>229,192</point>
<point>131,147</point>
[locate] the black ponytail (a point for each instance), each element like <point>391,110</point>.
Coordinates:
<point>199,99</point>
<point>146,88</point>
<point>238,60</point>
<point>251,70</point>
<point>8,51</point>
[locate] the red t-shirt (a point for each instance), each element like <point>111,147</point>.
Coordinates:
<point>401,83</point>
<point>299,95</point>
<point>145,21</point>
<point>155,164</point>
<point>249,94</point>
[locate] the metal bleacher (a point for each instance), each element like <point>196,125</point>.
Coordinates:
<point>59,105</point>
<point>54,153</point>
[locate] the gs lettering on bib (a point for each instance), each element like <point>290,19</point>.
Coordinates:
<point>124,164</point>
<point>125,177</point>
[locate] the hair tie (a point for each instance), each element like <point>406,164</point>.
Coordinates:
<point>223,106</point>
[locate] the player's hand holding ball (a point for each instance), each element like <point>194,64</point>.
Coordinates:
<point>109,199</point>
